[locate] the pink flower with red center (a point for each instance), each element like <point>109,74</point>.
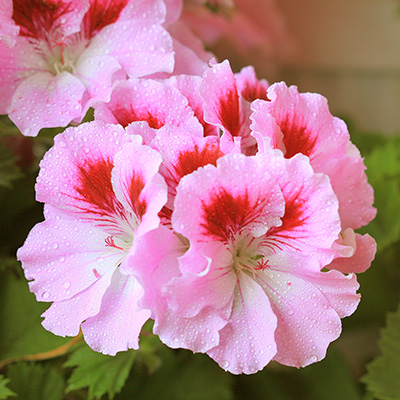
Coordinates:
<point>240,279</point>
<point>68,52</point>
<point>150,101</point>
<point>227,100</point>
<point>102,191</point>
<point>301,123</point>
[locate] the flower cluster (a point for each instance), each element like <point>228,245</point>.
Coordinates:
<point>220,206</point>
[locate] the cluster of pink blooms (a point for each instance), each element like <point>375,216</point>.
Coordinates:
<point>220,206</point>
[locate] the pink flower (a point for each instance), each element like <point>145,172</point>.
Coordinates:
<point>150,101</point>
<point>241,280</point>
<point>101,192</point>
<point>301,123</point>
<point>227,100</point>
<point>68,51</point>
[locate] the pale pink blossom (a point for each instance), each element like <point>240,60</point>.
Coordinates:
<point>302,123</point>
<point>68,52</point>
<point>237,27</point>
<point>240,279</point>
<point>101,191</point>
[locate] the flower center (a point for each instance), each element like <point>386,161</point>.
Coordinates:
<point>246,255</point>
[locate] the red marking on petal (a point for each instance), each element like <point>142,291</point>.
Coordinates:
<point>227,215</point>
<point>126,116</point>
<point>38,19</point>
<point>165,215</point>
<point>254,91</point>
<point>135,188</point>
<point>95,189</point>
<point>100,14</point>
<point>190,160</point>
<point>297,137</point>
<point>294,218</point>
<point>228,111</point>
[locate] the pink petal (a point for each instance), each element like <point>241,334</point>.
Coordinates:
<point>361,258</point>
<point>190,56</point>
<point>145,259</point>
<point>96,74</point>
<point>65,317</point>
<point>60,96</point>
<point>140,48</point>
<point>138,186</point>
<point>37,19</point>
<point>247,342</point>
<point>150,101</point>
<point>174,9</point>
<point>182,154</point>
<point>305,121</point>
<point>212,288</point>
<point>238,195</point>
<point>307,322</point>
<point>199,334</point>
<point>8,29</point>
<point>249,86</point>
<point>189,86</point>
<point>311,222</point>
<point>118,324</point>
<point>63,257</point>
<point>355,195</point>
<point>75,173</point>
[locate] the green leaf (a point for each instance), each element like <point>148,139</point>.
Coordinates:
<point>383,374</point>
<point>383,171</point>
<point>21,331</point>
<point>5,392</point>
<point>100,373</point>
<point>9,171</point>
<point>328,379</point>
<point>181,376</point>
<point>35,382</point>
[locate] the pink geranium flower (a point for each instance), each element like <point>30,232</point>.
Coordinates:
<point>241,280</point>
<point>227,98</point>
<point>68,51</point>
<point>101,191</point>
<point>302,123</point>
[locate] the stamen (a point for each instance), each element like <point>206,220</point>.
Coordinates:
<point>59,42</point>
<point>110,243</point>
<point>261,266</point>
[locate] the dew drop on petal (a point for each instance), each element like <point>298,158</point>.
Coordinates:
<point>225,364</point>
<point>67,285</point>
<point>45,295</point>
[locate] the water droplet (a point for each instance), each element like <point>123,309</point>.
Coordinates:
<point>45,295</point>
<point>67,285</point>
<point>290,311</point>
<point>26,131</point>
<point>225,364</point>
<point>55,246</point>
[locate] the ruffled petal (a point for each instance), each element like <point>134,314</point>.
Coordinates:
<point>63,257</point>
<point>247,342</point>
<point>118,324</point>
<point>64,318</point>
<point>150,101</point>
<point>44,100</point>
<point>218,203</point>
<point>360,258</point>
